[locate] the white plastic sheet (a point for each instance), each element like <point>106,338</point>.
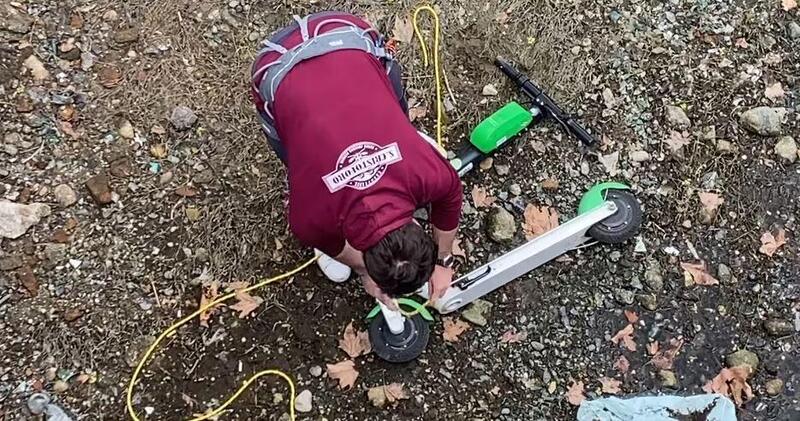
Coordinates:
<point>657,408</point>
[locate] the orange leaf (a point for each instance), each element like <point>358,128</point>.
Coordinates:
<point>788,4</point>
<point>575,393</point>
<point>210,293</point>
<point>457,250</point>
<point>665,358</point>
<point>480,198</point>
<point>626,336</point>
<point>355,343</point>
<point>237,285</point>
<point>631,316</point>
<point>247,303</point>
<point>390,393</point>
<point>770,244</point>
<point>732,382</point>
<point>610,385</point>
<point>417,112</point>
<point>69,130</point>
<point>344,372</point>
<point>539,220</point>
<point>710,201</point>
<point>452,328</point>
<point>186,191</point>
<point>677,140</point>
<point>622,364</point>
<point>550,184</point>
<point>652,348</point>
<point>511,337</point>
<point>699,273</point>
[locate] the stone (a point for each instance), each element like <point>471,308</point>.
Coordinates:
<point>742,357</point>
<point>765,121</point>
<point>125,130</point>
<point>477,311</point>
<point>515,189</point>
<point>136,349</point>
<point>501,225</point>
<point>778,327</point>
<point>623,296</point>
<point>65,196</point>
<point>639,156</point>
<point>489,90</point>
<point>794,30</point>
<point>14,20</point>
<point>302,402</point>
<point>60,386</point>
<point>16,218</point>
<point>55,253</point>
<point>668,378</point>
<point>125,36</point>
<point>774,387</point>
<point>10,150</point>
<point>315,371</point>
<point>786,148</point>
<point>654,277</point>
<point>648,301</point>
<point>100,189</point>
<point>182,118</point>
<point>502,170</point>
<point>677,117</point>
<point>724,146</point>
<point>725,275</point>
<point>10,263</point>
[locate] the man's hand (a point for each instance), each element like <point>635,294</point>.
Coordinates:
<point>374,290</point>
<point>440,281</point>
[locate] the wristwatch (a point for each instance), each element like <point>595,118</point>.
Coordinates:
<point>446,261</point>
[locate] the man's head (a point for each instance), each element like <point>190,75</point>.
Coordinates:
<point>402,261</point>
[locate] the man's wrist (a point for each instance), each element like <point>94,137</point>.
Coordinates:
<point>446,261</point>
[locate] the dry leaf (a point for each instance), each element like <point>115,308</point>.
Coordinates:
<point>550,184</point>
<point>481,198</point>
<point>788,4</point>
<point>247,303</point>
<point>186,191</point>
<point>511,337</point>
<point>626,337</point>
<point>67,128</point>
<point>390,393</point>
<point>575,394</point>
<point>355,343</point>
<point>610,162</point>
<point>210,293</point>
<point>538,220</point>
<point>235,286</point>
<point>677,140</point>
<point>344,372</point>
<point>732,382</point>
<point>710,203</point>
<point>457,250</point>
<point>652,348</point>
<point>770,243</point>
<point>417,112</point>
<point>452,328</point>
<point>36,67</point>
<point>631,316</point>
<point>610,386</point>
<point>665,358</point>
<point>741,43</point>
<point>66,113</point>
<point>403,31</point>
<point>622,364</point>
<point>110,76</point>
<point>158,151</point>
<point>699,273</point>
<point>774,91</point>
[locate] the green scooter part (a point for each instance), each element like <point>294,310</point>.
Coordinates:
<point>415,306</point>
<point>597,195</point>
<point>499,127</point>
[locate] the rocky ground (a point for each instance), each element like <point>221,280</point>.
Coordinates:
<point>133,178</point>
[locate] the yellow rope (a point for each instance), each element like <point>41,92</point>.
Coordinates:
<point>171,330</point>
<point>436,66</point>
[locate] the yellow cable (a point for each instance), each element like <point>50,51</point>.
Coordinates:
<point>171,330</point>
<point>436,66</point>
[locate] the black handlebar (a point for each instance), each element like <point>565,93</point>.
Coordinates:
<point>545,103</point>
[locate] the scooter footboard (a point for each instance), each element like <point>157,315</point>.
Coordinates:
<point>520,261</point>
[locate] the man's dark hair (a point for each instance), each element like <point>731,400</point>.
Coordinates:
<point>402,261</point>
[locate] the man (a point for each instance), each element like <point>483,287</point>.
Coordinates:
<point>333,109</point>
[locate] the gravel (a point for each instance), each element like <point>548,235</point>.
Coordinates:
<point>743,357</point>
<point>786,148</point>
<point>182,118</point>
<point>501,225</point>
<point>677,117</point>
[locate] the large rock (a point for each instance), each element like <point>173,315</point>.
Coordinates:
<point>14,20</point>
<point>778,327</point>
<point>16,218</point>
<point>742,357</point>
<point>501,225</point>
<point>765,121</point>
<point>182,118</point>
<point>100,189</point>
<point>677,117</point>
<point>786,148</point>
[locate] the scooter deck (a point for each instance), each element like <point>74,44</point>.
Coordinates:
<point>520,261</point>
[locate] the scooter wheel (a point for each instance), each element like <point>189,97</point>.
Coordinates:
<point>623,224</point>
<point>401,348</point>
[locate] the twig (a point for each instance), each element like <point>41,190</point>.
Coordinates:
<point>155,293</point>
<point>692,249</point>
<point>41,146</point>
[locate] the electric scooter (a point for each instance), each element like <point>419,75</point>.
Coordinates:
<point>607,213</point>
